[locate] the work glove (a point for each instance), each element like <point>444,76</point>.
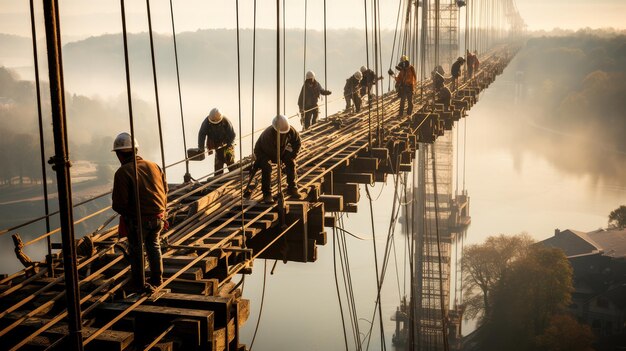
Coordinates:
<point>390,72</point>
<point>329,92</point>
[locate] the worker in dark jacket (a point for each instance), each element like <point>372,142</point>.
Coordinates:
<point>444,96</point>
<point>217,133</point>
<point>367,82</point>
<point>307,101</point>
<point>455,70</point>
<point>405,83</point>
<point>438,80</point>
<point>471,63</point>
<point>152,189</point>
<point>265,151</point>
<point>352,91</point>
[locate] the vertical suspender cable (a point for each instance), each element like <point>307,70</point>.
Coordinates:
<point>325,68</point>
<point>253,78</point>
<point>304,58</point>
<point>42,147</point>
<point>284,58</point>
<point>369,107</point>
<point>180,96</point>
<point>444,327</point>
<point>62,168</point>
<point>278,161</point>
<point>139,221</point>
<point>243,223</point>
<point>156,86</point>
<point>393,46</point>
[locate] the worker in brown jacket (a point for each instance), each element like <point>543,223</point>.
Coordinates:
<point>265,151</point>
<point>405,83</point>
<point>152,189</point>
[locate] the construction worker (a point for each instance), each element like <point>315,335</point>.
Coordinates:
<point>405,83</point>
<point>367,82</point>
<point>152,189</point>
<point>217,133</point>
<point>471,62</point>
<point>265,151</point>
<point>444,96</point>
<point>352,91</point>
<point>438,80</point>
<point>456,71</point>
<point>307,101</point>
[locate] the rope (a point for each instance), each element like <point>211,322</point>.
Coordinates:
<point>42,147</point>
<point>180,97</point>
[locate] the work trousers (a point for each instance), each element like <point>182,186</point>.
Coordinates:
<point>356,98</point>
<point>310,117</point>
<point>406,96</point>
<point>224,155</point>
<point>151,231</point>
<point>263,163</point>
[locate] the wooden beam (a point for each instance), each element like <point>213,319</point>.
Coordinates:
<point>360,178</point>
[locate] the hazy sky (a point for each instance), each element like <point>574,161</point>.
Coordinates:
<point>82,18</point>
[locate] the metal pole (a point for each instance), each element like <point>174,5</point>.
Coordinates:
<point>61,165</point>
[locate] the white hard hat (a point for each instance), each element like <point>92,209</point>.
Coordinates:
<point>363,69</point>
<point>358,75</point>
<point>281,124</point>
<point>122,143</point>
<point>215,116</point>
<point>310,75</point>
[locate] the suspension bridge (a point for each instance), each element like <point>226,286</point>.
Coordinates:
<point>74,298</point>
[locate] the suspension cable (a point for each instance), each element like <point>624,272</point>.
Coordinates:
<point>253,83</point>
<point>444,328</point>
<point>343,323</point>
<point>132,136</point>
<point>156,87</point>
<point>258,321</point>
<point>382,331</point>
<point>42,147</point>
<point>325,68</point>
<point>180,96</point>
<point>243,222</point>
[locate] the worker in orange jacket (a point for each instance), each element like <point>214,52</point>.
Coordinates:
<point>405,83</point>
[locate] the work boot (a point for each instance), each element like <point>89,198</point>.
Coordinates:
<point>247,193</point>
<point>268,199</point>
<point>293,192</point>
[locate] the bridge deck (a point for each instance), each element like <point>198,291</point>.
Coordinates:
<point>215,236</point>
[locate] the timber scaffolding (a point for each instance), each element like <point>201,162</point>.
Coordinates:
<point>213,237</point>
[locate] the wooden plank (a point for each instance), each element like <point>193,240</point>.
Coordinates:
<point>364,164</point>
<point>200,287</point>
<point>220,306</point>
<point>206,264</point>
<point>151,317</point>
<point>349,191</point>
<point>330,221</point>
<point>360,178</point>
<point>332,203</point>
<point>350,208</point>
